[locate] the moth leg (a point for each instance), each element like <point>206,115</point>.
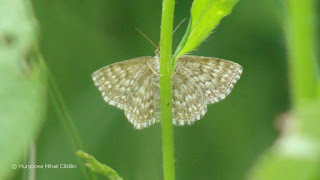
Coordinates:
<point>175,70</point>
<point>156,84</point>
<point>153,70</point>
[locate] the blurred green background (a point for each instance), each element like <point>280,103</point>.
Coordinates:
<point>80,36</point>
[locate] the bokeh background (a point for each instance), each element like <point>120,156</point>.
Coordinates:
<point>80,36</point>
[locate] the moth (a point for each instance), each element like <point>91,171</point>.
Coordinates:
<point>134,86</point>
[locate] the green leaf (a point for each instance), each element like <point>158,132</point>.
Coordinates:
<point>205,16</point>
<point>98,167</point>
<point>22,83</point>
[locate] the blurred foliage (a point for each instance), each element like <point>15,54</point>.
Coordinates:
<point>22,83</point>
<point>296,154</point>
<point>78,37</point>
<point>301,38</point>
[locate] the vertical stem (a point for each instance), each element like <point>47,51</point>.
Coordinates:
<point>30,159</point>
<point>166,88</point>
<point>65,118</point>
<point>301,36</point>
<point>74,136</point>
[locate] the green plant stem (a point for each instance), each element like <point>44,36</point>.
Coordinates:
<point>65,118</point>
<point>68,124</point>
<point>66,127</point>
<point>301,36</point>
<point>30,159</point>
<point>166,88</point>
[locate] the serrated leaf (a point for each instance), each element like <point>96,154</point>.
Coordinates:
<point>22,83</point>
<point>205,16</point>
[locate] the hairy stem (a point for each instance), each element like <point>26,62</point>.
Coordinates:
<point>166,88</point>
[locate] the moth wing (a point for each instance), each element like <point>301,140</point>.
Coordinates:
<point>115,81</point>
<point>215,77</point>
<point>198,81</point>
<point>143,105</point>
<point>187,99</point>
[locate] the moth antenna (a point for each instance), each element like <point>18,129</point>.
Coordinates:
<point>178,25</point>
<point>147,38</point>
<point>158,49</point>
